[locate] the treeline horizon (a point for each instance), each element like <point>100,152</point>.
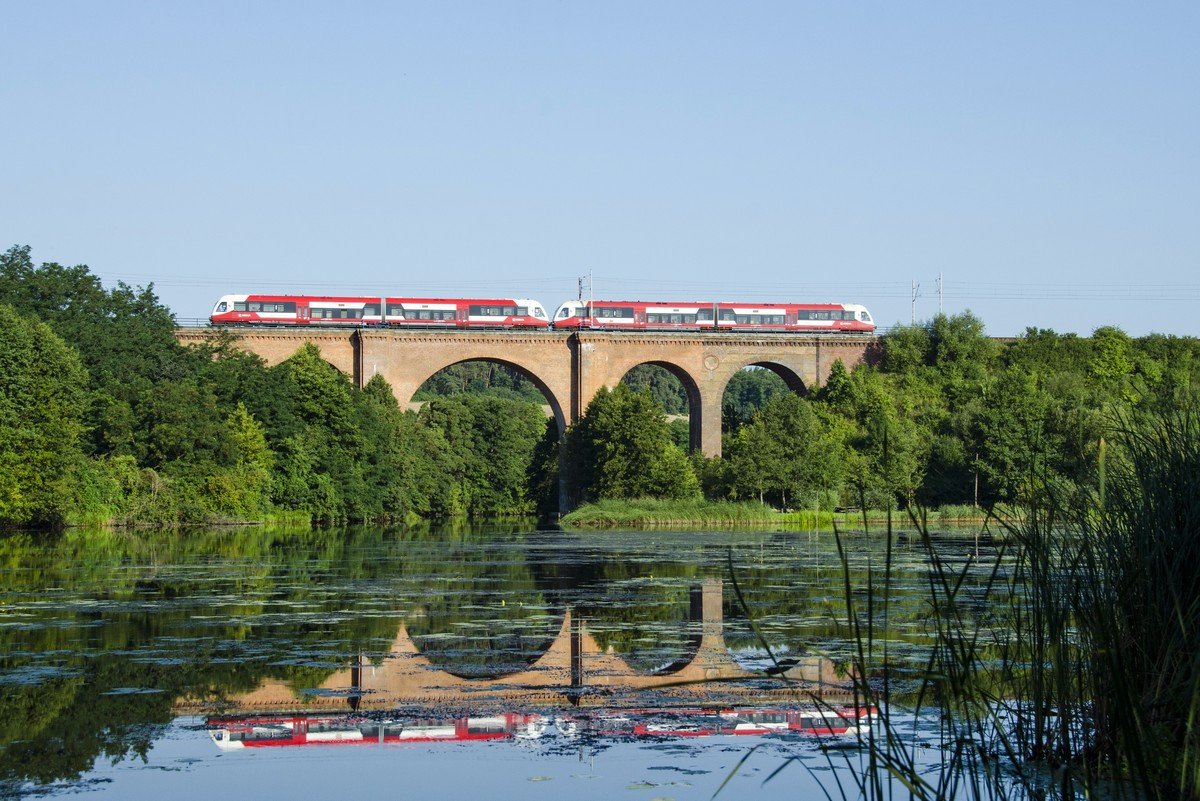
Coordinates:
<point>106,419</point>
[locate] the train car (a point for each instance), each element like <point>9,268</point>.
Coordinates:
<point>231,734</point>
<point>289,310</point>
<point>715,316</point>
<point>670,723</point>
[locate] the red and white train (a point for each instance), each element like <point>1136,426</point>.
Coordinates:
<point>641,315</point>
<point>359,311</point>
<point>526,313</point>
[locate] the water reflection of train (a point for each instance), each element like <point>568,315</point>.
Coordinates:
<point>300,729</point>
<point>232,733</point>
<point>758,721</point>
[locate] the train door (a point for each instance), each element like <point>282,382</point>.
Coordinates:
<point>302,313</point>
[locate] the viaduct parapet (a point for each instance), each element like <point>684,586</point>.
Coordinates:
<point>568,367</point>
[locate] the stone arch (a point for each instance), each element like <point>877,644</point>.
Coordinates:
<point>556,407</point>
<point>690,388</point>
<point>791,377</point>
<point>407,359</point>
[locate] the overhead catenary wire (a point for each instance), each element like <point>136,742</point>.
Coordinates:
<point>615,286</point>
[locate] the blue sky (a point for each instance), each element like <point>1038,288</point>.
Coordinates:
<point>1043,158</point>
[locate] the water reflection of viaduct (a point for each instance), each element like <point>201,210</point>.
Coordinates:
<point>569,368</point>
<point>571,670</point>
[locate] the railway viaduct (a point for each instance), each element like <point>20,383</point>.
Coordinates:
<point>568,367</point>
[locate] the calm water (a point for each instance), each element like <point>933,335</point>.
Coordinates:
<point>452,663</point>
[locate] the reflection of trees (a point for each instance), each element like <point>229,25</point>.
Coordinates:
<point>478,617</point>
<point>641,610</point>
<point>803,608</point>
<point>137,631</point>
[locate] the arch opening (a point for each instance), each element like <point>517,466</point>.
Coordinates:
<point>676,393</point>
<point>490,377</point>
<point>503,422</point>
<point>751,388</point>
<point>479,639</point>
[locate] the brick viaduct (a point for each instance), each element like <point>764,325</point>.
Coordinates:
<point>568,367</point>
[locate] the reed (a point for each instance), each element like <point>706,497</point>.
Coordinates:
<point>1088,682</point>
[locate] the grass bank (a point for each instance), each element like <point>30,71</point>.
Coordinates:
<point>651,513</point>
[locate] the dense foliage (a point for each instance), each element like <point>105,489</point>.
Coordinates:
<point>622,448</point>
<point>105,417</point>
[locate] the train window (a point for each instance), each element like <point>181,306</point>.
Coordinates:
<point>705,315</point>
<point>522,311</point>
<point>727,315</point>
<point>395,311</point>
<point>485,728</point>
<point>239,306</point>
<point>221,306</point>
<point>371,310</point>
<point>866,318</point>
<point>487,311</point>
<point>510,311</point>
<point>255,307</point>
<point>537,312</point>
<point>563,313</point>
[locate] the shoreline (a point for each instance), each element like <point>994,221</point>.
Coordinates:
<point>715,515</point>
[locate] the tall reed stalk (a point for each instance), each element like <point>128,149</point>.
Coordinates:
<point>1088,682</point>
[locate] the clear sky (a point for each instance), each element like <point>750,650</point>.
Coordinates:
<point>1044,158</point>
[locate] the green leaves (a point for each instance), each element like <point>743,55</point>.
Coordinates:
<point>41,411</point>
<point>622,448</point>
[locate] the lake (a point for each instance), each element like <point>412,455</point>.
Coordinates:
<point>448,662</point>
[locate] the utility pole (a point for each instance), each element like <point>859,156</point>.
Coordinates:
<point>916,293</point>
<point>940,309</point>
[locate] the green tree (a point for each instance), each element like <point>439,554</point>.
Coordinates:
<point>787,452</point>
<point>622,448</point>
<point>41,408</point>
<point>666,388</point>
<point>748,391</point>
